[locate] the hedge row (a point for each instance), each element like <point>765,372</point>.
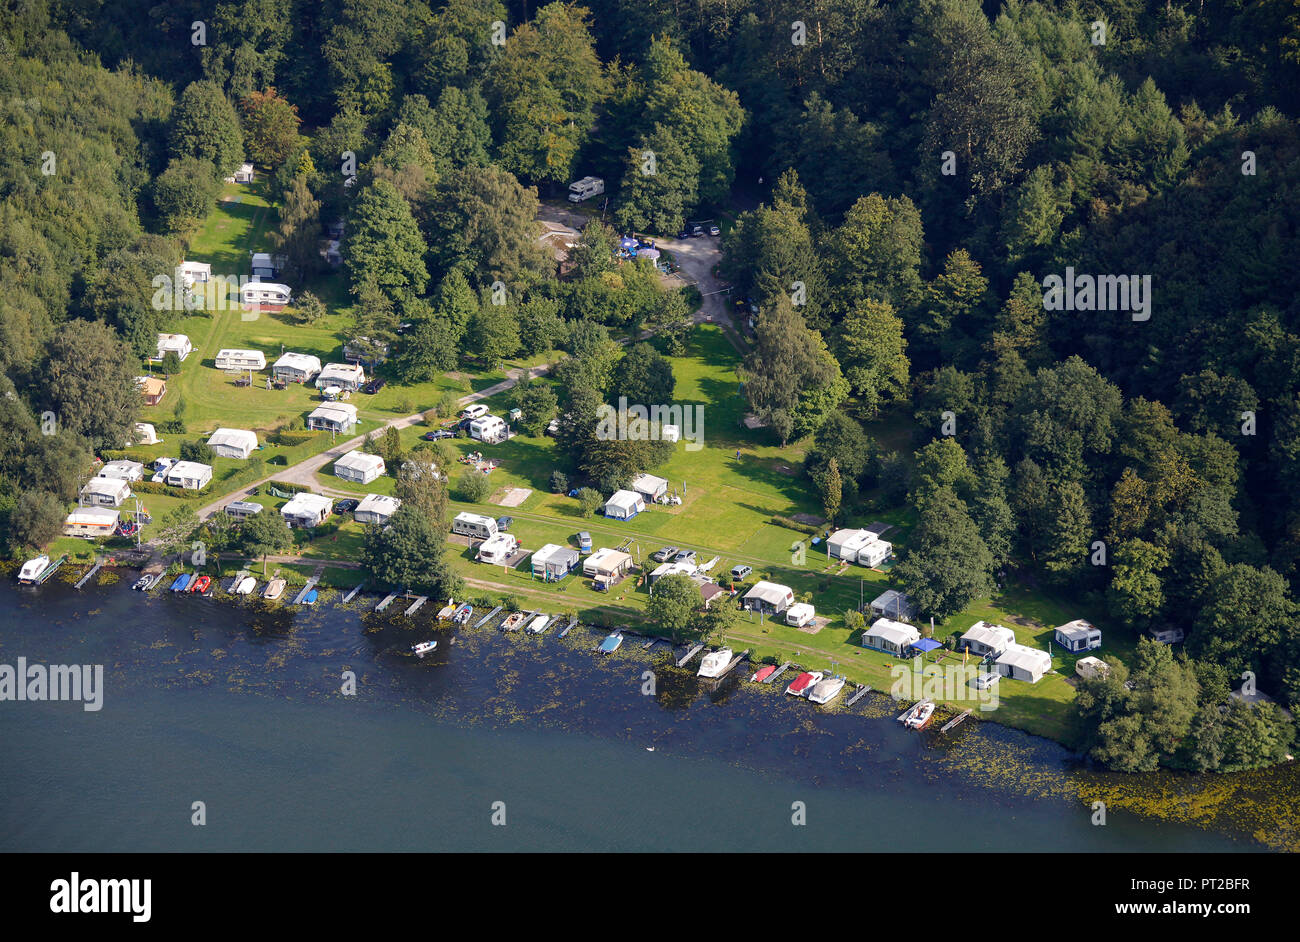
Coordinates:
<point>796,525</point>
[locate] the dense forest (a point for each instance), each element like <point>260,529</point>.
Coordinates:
<point>903,177</point>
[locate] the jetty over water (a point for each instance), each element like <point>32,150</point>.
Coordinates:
<point>685,658</point>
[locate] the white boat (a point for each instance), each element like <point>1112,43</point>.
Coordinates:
<point>274,589</point>
<point>512,621</point>
<point>32,569</point>
<point>714,664</point>
<point>800,686</point>
<point>424,647</point>
<point>920,715</point>
<point>827,690</point>
<point>538,624</point>
<point>246,586</point>
<point>447,610</point>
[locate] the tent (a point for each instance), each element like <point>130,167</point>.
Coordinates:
<point>925,645</point>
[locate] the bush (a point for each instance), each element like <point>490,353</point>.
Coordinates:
<point>473,487</point>
<point>197,451</point>
<point>589,499</point>
<point>559,482</point>
<point>171,363</point>
<point>171,427</point>
<point>796,525</point>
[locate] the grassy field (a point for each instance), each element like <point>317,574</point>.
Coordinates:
<point>731,487</point>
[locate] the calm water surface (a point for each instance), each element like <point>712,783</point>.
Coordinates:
<point>239,706</point>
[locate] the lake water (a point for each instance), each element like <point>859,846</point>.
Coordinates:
<point>239,706</point>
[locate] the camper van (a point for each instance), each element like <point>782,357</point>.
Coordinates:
<point>585,189</point>
<point>476,526</point>
<point>264,295</point>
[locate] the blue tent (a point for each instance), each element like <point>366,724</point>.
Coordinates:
<point>628,243</point>
<point>925,645</point>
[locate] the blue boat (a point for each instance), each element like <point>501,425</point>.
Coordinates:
<point>181,582</point>
<point>310,598</point>
<point>611,643</point>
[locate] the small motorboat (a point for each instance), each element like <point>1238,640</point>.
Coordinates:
<point>200,584</point>
<point>140,584</point>
<point>714,664</point>
<point>423,648</point>
<point>538,624</point>
<point>920,715</point>
<point>827,690</point>
<point>181,582</point>
<point>800,686</point>
<point>611,643</point>
<point>32,570</point>
<point>463,614</point>
<point>512,622</point>
<point>447,610</point>
<point>763,673</point>
<point>246,586</point>
<point>274,589</point>
<point>310,597</point>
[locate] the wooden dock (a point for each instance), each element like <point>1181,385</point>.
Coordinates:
<point>685,658</point>
<point>572,621</point>
<point>954,722</point>
<point>861,692</point>
<point>487,618</point>
<point>778,672</point>
<point>387,601</point>
<point>90,573</point>
<point>649,644</point>
<point>311,584</point>
<point>415,606</point>
<point>353,593</point>
<point>236,579</point>
<point>743,655</point>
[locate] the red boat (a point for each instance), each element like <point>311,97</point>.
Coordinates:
<point>803,683</point>
<point>200,585</point>
<point>763,673</point>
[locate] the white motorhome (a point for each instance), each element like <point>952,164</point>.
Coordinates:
<point>265,295</point>
<point>585,189</point>
<point>474,525</point>
<point>241,360</point>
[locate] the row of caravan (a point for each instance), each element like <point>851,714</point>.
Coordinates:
<point>863,547</point>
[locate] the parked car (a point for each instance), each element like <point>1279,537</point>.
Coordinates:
<point>477,410</point>
<point>740,572</point>
<point>714,231</point>
<point>584,542</point>
<point>663,555</point>
<point>437,434</point>
<point>374,386</point>
<point>346,506</point>
<point>553,426</point>
<point>685,556</point>
<point>503,524</point>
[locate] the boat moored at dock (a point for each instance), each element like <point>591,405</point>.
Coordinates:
<point>611,643</point>
<point>32,570</point>
<point>711,665</point>
<point>826,690</point>
<point>181,582</point>
<point>274,589</point>
<point>761,675</point>
<point>919,716</point>
<point>800,686</point>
